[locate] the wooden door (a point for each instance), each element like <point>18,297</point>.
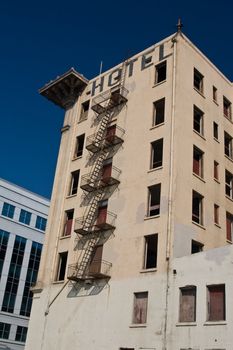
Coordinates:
<point>106,172</point>
<point>102,215</point>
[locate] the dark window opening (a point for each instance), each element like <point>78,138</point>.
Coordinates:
<point>79,145</point>
<point>160,72</point>
<point>197,208</point>
<point>151,249</point>
<point>69,216</point>
<point>198,80</point>
<point>198,120</point>
<point>197,161</point>
<point>21,334</point>
<point>62,266</point>
<point>216,214</point>
<point>228,184</point>
<point>154,200</point>
<point>216,175</point>
<point>215,93</point>
<point>74,182</point>
<point>8,210</point>
<point>228,145</point>
<point>229,226</point>
<point>84,110</point>
<point>226,107</point>
<point>156,154</point>
<point>4,330</point>
<point>215,130</point>
<point>159,110</point>
<point>196,247</point>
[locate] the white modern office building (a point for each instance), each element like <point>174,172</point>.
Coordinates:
<point>138,254</point>
<point>23,217</point>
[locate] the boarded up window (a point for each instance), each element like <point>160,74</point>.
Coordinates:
<point>197,161</point>
<point>140,307</point>
<point>216,302</point>
<point>187,304</point>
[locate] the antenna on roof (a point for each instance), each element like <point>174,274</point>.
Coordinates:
<point>101,66</point>
<point>179,26</point>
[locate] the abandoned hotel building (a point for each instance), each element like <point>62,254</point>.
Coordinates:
<point>138,252</point>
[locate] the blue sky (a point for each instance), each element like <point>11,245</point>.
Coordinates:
<point>40,40</point>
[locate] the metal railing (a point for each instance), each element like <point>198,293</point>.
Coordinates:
<point>87,183</point>
<point>96,269</point>
<point>104,223</point>
<point>116,96</point>
<point>94,145</point>
<point>110,179</point>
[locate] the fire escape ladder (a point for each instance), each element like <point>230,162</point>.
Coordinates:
<point>92,212</point>
<point>81,268</point>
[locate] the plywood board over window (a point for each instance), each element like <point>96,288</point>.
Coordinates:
<point>140,308</point>
<point>187,304</point>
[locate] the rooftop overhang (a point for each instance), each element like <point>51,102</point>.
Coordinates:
<point>64,90</point>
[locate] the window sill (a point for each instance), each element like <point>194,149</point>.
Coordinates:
<point>58,282</point>
<point>138,325</point>
<point>216,180</point>
<point>186,324</point>
<point>75,158</point>
<point>64,237</point>
<point>153,269</point>
<point>157,84</point>
<point>152,217</point>
<point>154,169</point>
<point>196,132</point>
<point>228,241</point>
<point>82,120</point>
<point>230,120</point>
<point>199,177</point>
<point>214,323</point>
<point>216,140</point>
<point>71,195</point>
<point>230,199</point>
<point>199,92</point>
<point>217,225</point>
<point>227,157</point>
<point>216,102</point>
<point>199,225</point>
<point>156,126</point>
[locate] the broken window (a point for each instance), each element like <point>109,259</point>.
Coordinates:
<point>229,226</point>
<point>187,304</point>
<point>160,72</point>
<point>79,146</point>
<point>197,215</point>
<point>215,130</point>
<point>140,307</point>
<point>216,302</point>
<point>150,256</point>
<point>62,261</point>
<point>198,80</point>
<point>154,200</point>
<point>74,182</point>
<point>215,93</point>
<point>158,113</point>
<point>69,216</point>
<point>216,214</point>
<point>156,154</point>
<point>228,144</point>
<point>84,110</point>
<point>197,161</point>
<point>226,107</point>
<point>198,120</point>
<point>196,247</point>
<point>228,184</point>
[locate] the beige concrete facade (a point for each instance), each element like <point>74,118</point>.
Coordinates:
<point>96,313</point>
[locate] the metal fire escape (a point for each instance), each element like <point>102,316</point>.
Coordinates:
<point>99,145</point>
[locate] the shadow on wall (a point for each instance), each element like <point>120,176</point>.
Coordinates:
<point>87,288</point>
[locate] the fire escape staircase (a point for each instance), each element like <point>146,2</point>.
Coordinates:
<point>104,104</point>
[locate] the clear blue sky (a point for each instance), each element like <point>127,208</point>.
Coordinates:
<point>40,40</point>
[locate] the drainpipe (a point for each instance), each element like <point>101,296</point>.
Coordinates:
<point>170,193</point>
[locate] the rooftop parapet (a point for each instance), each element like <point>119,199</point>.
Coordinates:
<point>65,89</point>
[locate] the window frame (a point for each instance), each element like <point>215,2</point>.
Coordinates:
<point>200,210</point>
<point>146,255</point>
<point>73,190</point>
<point>200,113</point>
<point>181,304</point>
<point>134,316</point>
<point>159,66</point>
<point>227,112</point>
<point>215,130</point>
<point>228,148</point>
<point>25,217</point>
<point>200,77</point>
<point>8,210</point>
<point>78,153</point>
<point>229,184</point>
<point>158,106</point>
<point>156,144</point>
<point>200,161</point>
<point>84,112</point>
<point>215,286</point>
<point>149,206</point>
<point>216,214</point>
<point>60,268</point>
